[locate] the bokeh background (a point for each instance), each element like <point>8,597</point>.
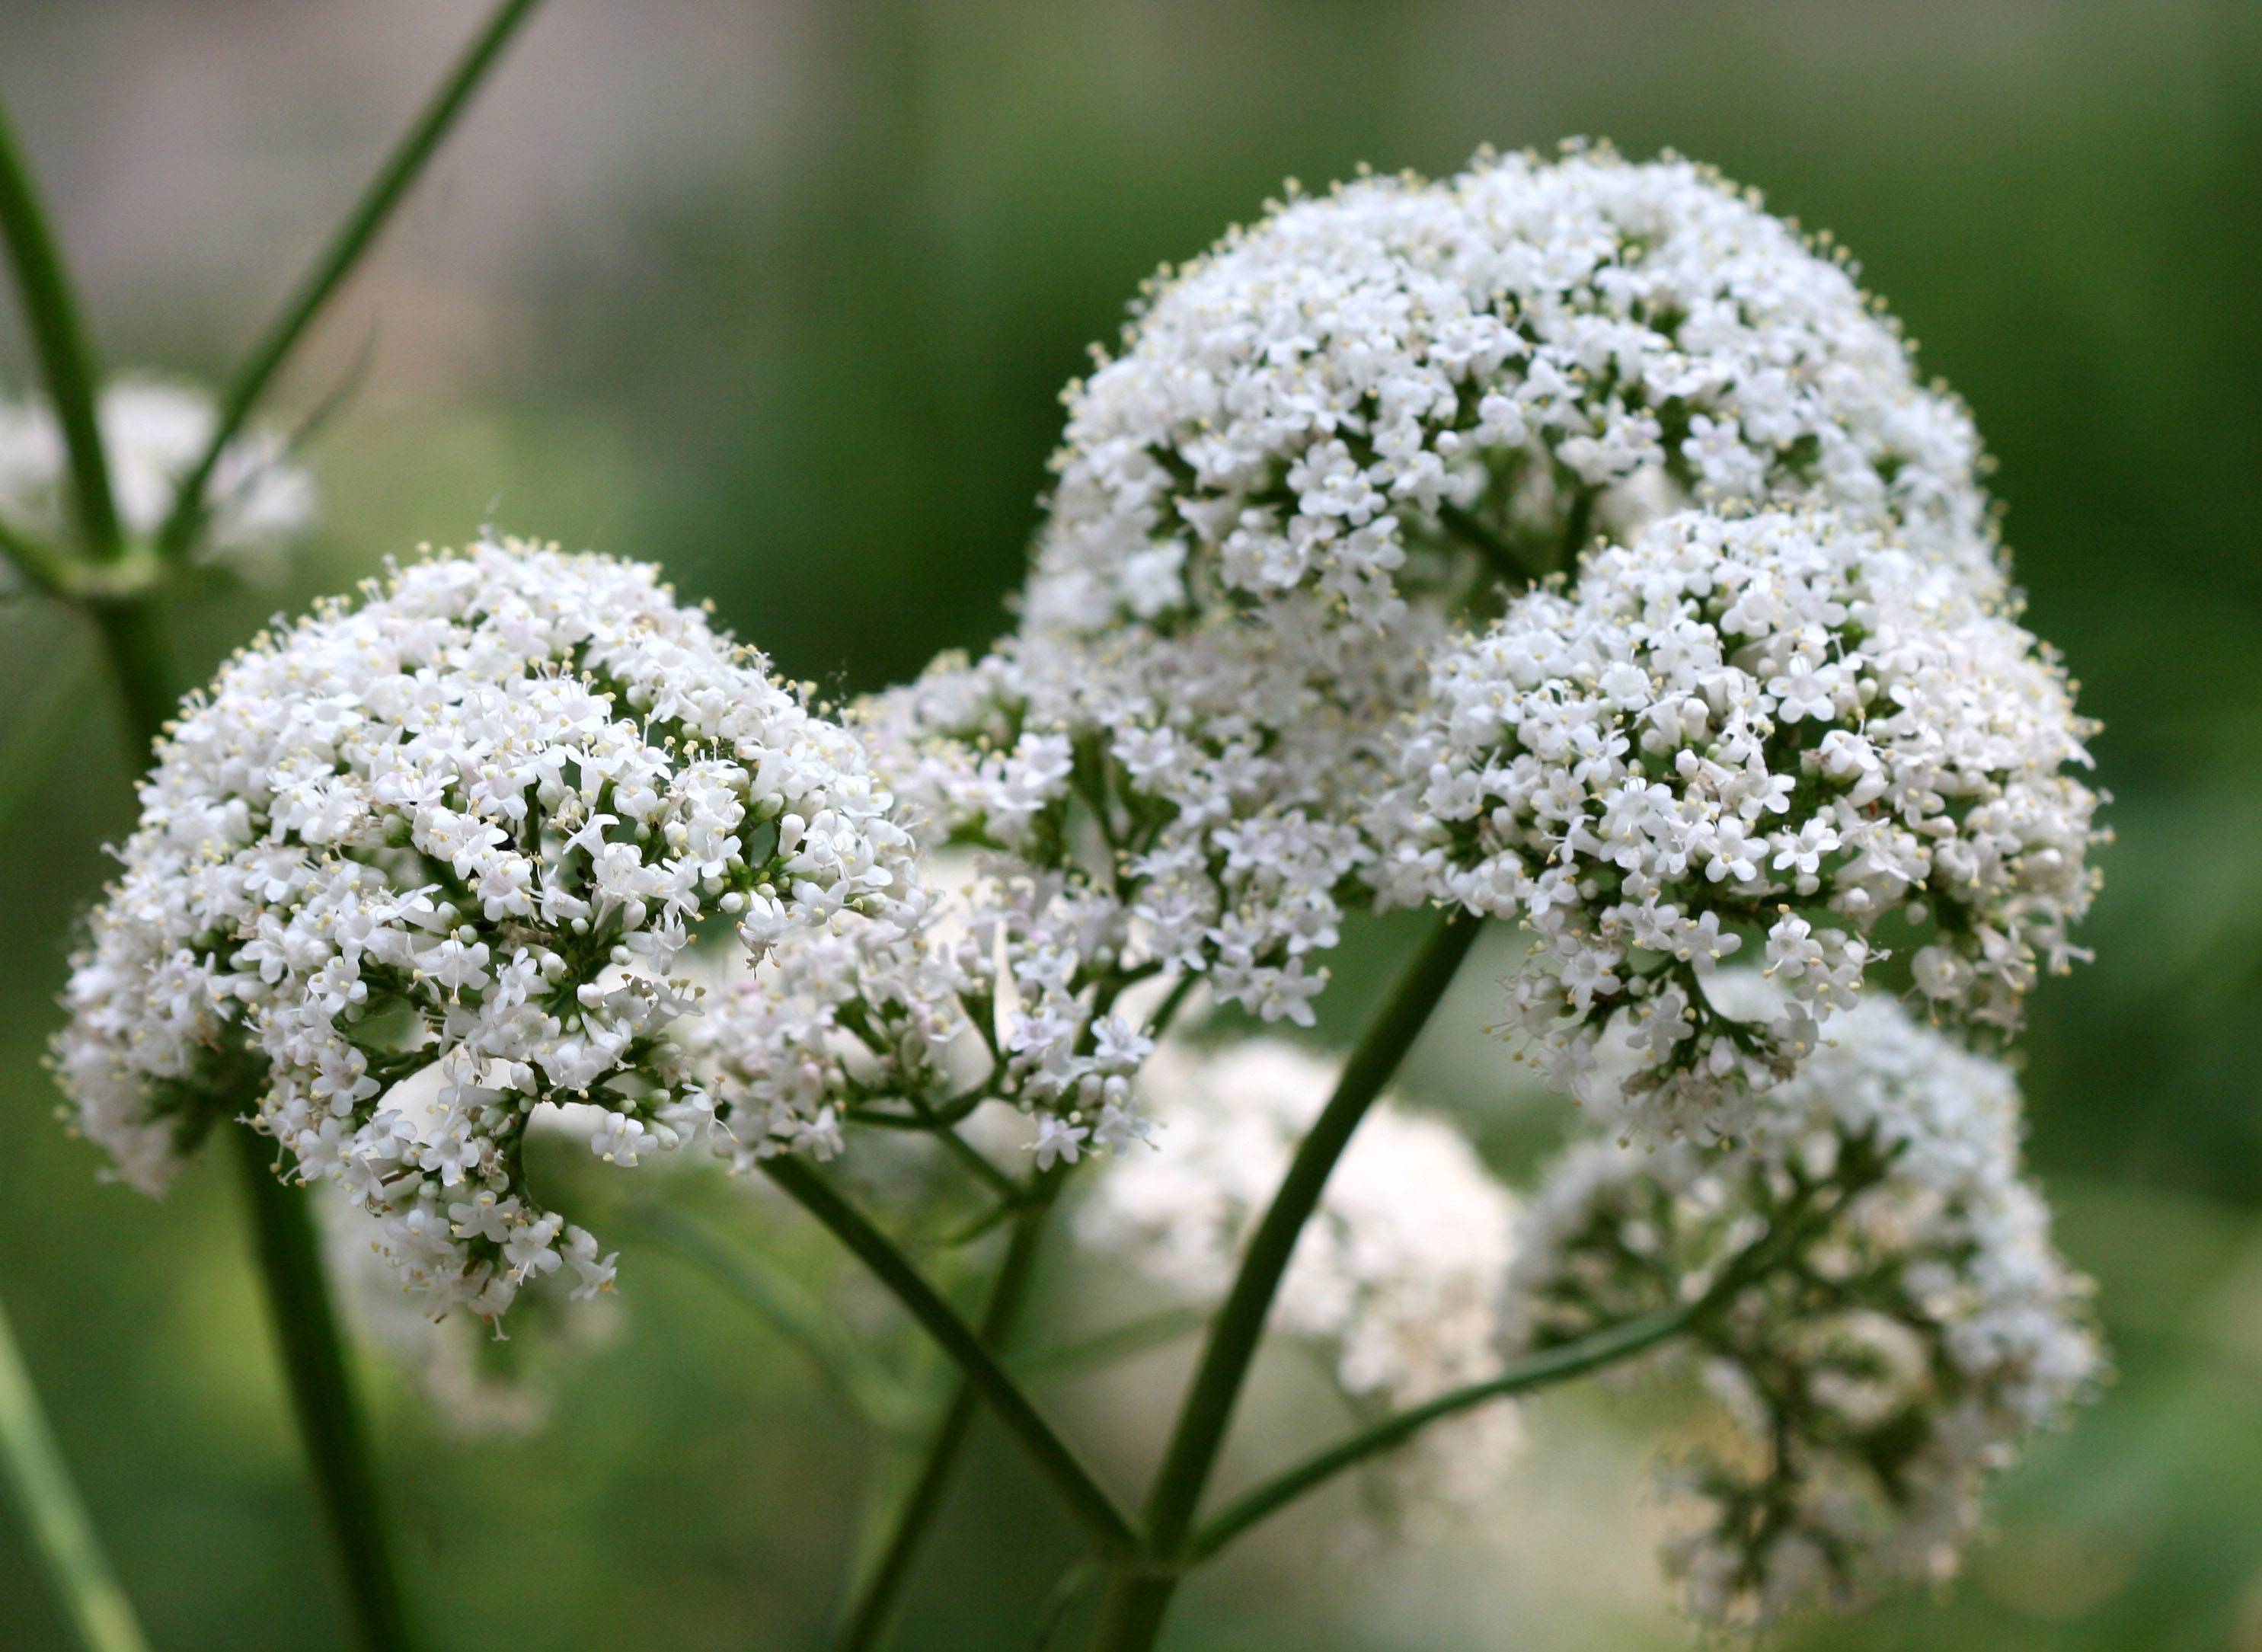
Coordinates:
<point>782,296</point>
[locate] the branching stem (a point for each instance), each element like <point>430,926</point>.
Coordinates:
<point>1093,1509</point>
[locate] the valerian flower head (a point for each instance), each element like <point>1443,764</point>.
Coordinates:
<point>1367,394</point>
<point>153,433</point>
<point>1396,1278</point>
<point>1902,1329</point>
<point>1751,740</point>
<point>1335,434</point>
<point>467,825</point>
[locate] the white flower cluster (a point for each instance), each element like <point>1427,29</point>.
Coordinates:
<point>1351,396</point>
<point>1397,1276</point>
<point>1912,1329</point>
<point>1748,738</point>
<point>468,825</point>
<point>153,432</point>
<point>1336,432</point>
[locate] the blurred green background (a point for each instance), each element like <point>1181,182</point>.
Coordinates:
<point>782,296</point>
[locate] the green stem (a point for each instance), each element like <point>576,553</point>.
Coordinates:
<point>1557,1365</point>
<point>1240,1323</point>
<point>132,636</point>
<point>881,1591</point>
<point>1786,1232</point>
<point>1090,1506</point>
<point>60,341</point>
<point>362,225</point>
<point>63,1535</point>
<point>1139,1595</point>
<point>323,1394</point>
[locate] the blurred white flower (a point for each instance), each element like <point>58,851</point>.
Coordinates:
<point>1397,1277</point>
<point>1905,1347</point>
<point>260,504</point>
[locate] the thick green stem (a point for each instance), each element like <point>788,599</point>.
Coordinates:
<point>132,636</point>
<point>881,1589</point>
<point>63,1535</point>
<point>1132,1611</point>
<point>322,1393</point>
<point>60,342</point>
<point>353,238</point>
<point>1240,1323</point>
<point>1091,1506</point>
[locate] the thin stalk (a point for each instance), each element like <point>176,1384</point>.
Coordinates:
<point>60,341</point>
<point>323,1394</point>
<point>1590,1353</point>
<point>353,238</point>
<point>1240,1323</point>
<point>62,1535</point>
<point>1138,1596</point>
<point>1558,1364</point>
<point>1086,1501</point>
<point>881,1591</point>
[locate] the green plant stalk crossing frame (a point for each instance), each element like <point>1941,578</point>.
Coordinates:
<point>62,1534</point>
<point>1093,1509</point>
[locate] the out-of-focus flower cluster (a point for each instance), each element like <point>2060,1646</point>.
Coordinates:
<point>467,825</point>
<point>1902,1328</point>
<point>1396,1278</point>
<point>1748,738</point>
<point>154,431</point>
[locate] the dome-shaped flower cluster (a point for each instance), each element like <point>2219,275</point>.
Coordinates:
<point>1754,738</point>
<point>470,823</point>
<point>1396,1278</point>
<point>1911,1328</point>
<point>153,432</point>
<point>1364,390</point>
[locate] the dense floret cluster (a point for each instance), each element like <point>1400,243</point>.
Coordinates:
<point>1397,1277</point>
<point>153,433</point>
<point>470,823</point>
<point>1364,390</point>
<point>1748,738</point>
<point>1911,1326</point>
